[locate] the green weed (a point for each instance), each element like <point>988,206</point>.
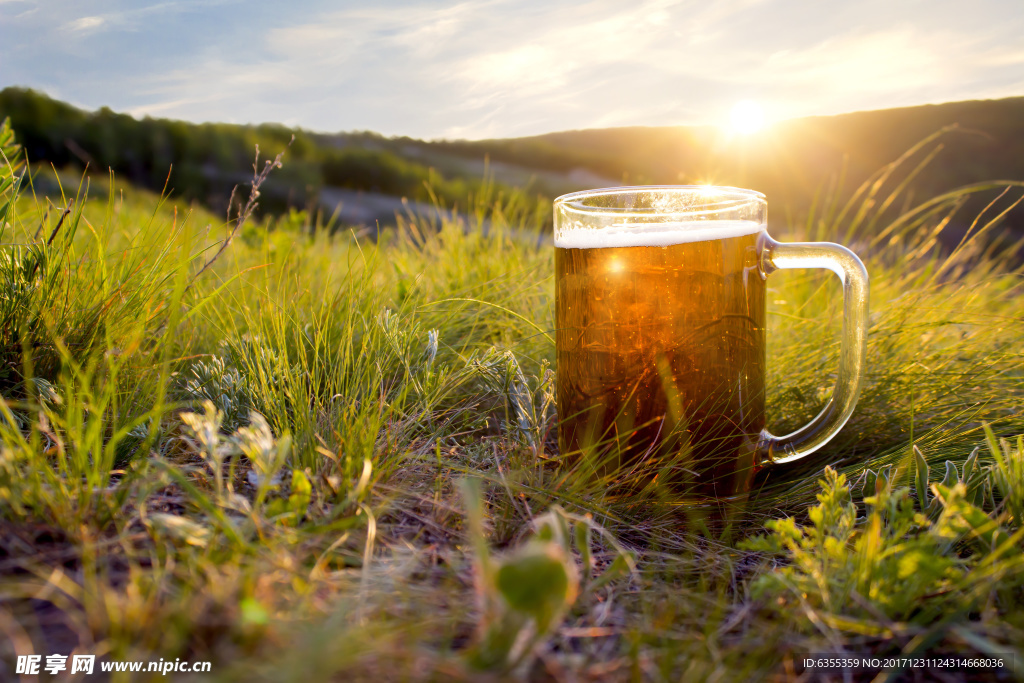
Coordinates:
<point>251,453</point>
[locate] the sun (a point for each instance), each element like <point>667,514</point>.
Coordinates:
<point>746,117</point>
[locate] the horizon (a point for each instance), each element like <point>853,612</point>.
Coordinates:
<point>723,128</point>
<point>495,69</point>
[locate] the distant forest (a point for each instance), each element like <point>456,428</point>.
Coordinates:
<point>795,163</point>
<point>209,159</point>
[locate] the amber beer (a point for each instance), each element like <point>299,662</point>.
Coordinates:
<point>661,353</point>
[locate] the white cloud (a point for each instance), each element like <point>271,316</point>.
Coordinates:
<point>511,67</point>
<point>133,18</point>
<point>85,23</point>
<point>891,67</point>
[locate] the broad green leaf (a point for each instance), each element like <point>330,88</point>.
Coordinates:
<point>921,478</point>
<point>952,476</point>
<point>538,581</point>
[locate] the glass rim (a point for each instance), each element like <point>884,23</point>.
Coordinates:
<point>728,197</point>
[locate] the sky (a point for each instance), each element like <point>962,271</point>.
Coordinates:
<point>504,68</point>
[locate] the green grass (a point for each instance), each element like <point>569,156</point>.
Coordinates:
<point>331,459</point>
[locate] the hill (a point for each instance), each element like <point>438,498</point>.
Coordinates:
<point>791,161</point>
<point>795,163</point>
<point>202,162</point>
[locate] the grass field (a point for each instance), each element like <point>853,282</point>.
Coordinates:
<point>308,456</point>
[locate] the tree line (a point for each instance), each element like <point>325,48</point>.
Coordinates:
<point>203,162</point>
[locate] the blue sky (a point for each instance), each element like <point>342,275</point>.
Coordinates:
<point>497,68</point>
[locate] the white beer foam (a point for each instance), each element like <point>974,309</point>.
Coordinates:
<point>653,234</point>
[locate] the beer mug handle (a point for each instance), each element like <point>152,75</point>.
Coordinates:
<point>853,275</point>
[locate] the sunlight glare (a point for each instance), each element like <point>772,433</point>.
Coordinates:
<point>747,117</point>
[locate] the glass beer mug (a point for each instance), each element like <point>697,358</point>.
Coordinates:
<point>660,319</point>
